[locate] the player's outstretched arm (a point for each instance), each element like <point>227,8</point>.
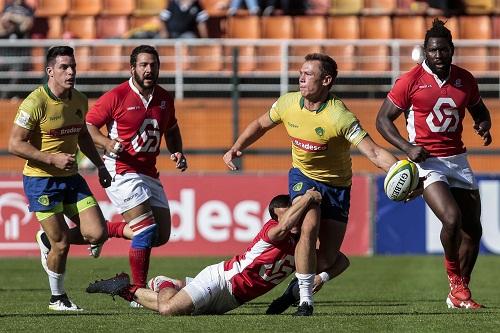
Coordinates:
<point>253,132</point>
<point>376,154</point>
<point>294,215</point>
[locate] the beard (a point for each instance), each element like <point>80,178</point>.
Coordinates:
<point>140,81</point>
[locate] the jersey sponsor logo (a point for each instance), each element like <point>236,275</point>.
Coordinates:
<point>23,118</point>
<point>445,116</point>
<point>297,187</point>
<point>308,145</point>
<point>292,125</point>
<point>148,137</point>
<point>424,86</point>
<point>64,131</point>
<point>44,200</point>
<point>320,131</point>
<point>54,118</point>
<point>130,108</point>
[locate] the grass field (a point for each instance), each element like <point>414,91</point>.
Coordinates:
<point>378,294</point>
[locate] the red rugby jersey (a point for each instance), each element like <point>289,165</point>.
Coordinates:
<point>262,266</point>
<point>123,112</point>
<point>435,109</point>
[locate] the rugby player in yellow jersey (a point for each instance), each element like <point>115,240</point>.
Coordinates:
<point>322,130</point>
<point>48,129</point>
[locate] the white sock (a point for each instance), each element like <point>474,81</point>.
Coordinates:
<point>306,284</point>
<point>56,282</point>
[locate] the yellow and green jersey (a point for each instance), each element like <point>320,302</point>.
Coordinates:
<point>321,139</point>
<point>55,125</point>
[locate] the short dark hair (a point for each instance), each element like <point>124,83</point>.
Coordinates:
<point>279,201</point>
<point>328,66</point>
<point>57,51</point>
<point>438,30</point>
<point>143,49</point>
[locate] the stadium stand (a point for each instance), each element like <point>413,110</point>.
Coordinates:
<point>495,51</point>
<point>306,27</point>
<point>474,58</point>
<point>117,7</point>
<point>273,27</point>
<point>346,7</point>
<point>149,7</point>
<point>111,26</point>
<point>52,8</point>
<point>374,57</point>
<point>343,27</point>
<point>410,7</point>
<point>85,7</point>
<point>82,27</point>
<point>243,27</point>
<point>479,6</point>
<point>408,27</point>
<point>379,7</point>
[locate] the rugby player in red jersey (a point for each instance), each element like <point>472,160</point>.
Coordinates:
<point>137,114</point>
<point>225,286</point>
<point>433,96</point>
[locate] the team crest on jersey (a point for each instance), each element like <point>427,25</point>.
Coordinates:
<point>320,131</point>
<point>458,83</point>
<point>44,200</point>
<point>163,105</point>
<point>79,113</point>
<point>297,187</point>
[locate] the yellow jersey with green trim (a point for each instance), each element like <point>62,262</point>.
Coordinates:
<point>54,124</point>
<point>321,139</point>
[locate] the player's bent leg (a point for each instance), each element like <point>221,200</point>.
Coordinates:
<point>330,237</point>
<point>91,220</point>
<point>56,229</point>
<point>177,304</point>
<point>163,220</point>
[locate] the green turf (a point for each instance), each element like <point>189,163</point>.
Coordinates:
<point>378,294</point>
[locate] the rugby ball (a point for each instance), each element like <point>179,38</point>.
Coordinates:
<point>401,179</point>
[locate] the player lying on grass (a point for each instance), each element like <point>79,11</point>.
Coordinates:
<point>225,286</point>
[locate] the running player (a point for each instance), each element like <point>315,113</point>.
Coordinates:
<point>433,96</point>
<point>137,114</point>
<point>225,286</point>
<point>322,131</point>
<point>48,129</point>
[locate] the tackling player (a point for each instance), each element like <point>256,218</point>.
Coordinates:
<point>322,131</point>
<point>137,114</point>
<point>48,129</point>
<point>433,96</point>
<point>225,286</point>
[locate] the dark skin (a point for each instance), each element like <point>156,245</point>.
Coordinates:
<point>459,210</point>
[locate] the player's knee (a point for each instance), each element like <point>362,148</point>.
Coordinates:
<point>60,248</point>
<point>452,221</point>
<point>342,261</point>
<point>96,236</point>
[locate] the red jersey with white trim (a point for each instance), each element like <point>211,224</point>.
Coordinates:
<point>262,266</point>
<point>435,109</point>
<point>140,124</point>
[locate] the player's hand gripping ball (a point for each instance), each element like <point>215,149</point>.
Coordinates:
<point>401,179</point>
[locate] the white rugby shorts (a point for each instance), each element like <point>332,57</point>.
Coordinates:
<point>211,292</point>
<point>453,170</point>
<point>131,189</point>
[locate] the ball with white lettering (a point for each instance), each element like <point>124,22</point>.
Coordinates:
<point>401,179</point>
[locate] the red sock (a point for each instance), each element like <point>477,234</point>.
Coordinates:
<point>128,293</point>
<point>115,229</point>
<point>452,266</point>
<point>139,265</point>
